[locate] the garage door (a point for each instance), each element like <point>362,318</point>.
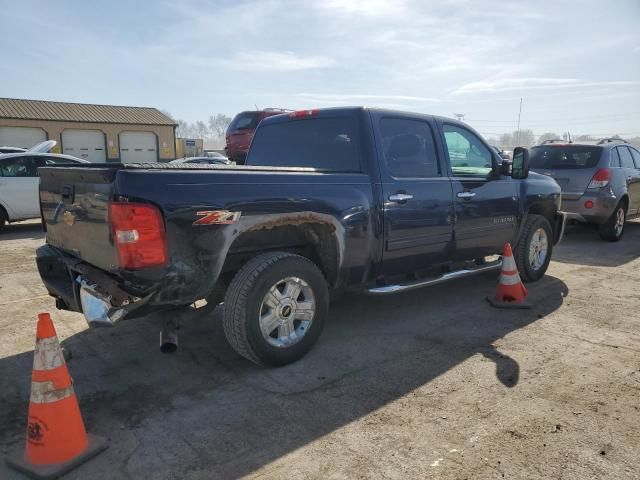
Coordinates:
<point>24,137</point>
<point>138,147</point>
<point>86,144</point>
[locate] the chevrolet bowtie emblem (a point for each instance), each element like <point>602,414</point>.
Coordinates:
<point>69,218</point>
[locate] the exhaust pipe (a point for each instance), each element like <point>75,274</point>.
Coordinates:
<point>169,337</point>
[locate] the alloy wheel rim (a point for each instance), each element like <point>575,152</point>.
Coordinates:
<point>538,249</point>
<point>286,312</point>
<point>619,222</point>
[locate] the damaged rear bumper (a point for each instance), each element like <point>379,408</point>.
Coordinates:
<point>79,287</point>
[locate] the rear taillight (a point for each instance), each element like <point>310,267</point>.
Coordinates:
<point>138,233</point>
<point>600,179</point>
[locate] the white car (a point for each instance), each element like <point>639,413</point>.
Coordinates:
<point>19,182</point>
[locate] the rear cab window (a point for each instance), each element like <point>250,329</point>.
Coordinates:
<point>245,121</point>
<point>559,157</point>
<point>325,143</point>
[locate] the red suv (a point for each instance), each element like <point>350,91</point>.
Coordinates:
<point>241,129</point>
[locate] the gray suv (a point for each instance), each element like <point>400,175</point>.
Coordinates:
<point>600,182</point>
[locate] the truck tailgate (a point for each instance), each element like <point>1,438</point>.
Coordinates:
<point>74,203</point>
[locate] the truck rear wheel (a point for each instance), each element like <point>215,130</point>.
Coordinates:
<point>533,253</point>
<point>275,308</point>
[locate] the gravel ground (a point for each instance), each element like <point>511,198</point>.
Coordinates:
<point>432,383</point>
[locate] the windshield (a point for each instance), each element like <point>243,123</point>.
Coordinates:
<point>564,157</point>
<point>244,121</point>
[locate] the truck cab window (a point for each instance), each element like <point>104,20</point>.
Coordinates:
<point>322,143</point>
<point>408,148</point>
<point>468,156</point>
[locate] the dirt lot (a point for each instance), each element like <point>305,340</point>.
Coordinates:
<point>432,383</point>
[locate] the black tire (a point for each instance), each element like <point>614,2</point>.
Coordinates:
<point>243,301</point>
<point>3,219</point>
<point>608,230</point>
<point>527,272</point>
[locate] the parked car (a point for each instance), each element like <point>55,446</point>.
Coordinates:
<point>5,149</point>
<point>600,183</point>
<point>210,160</point>
<point>241,129</point>
<point>503,154</point>
<point>347,198</point>
<point>19,183</point>
<point>212,154</point>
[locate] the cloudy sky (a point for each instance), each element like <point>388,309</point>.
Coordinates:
<point>575,64</point>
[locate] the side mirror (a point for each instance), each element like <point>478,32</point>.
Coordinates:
<point>520,163</point>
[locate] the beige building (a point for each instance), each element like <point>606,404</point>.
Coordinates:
<point>98,133</point>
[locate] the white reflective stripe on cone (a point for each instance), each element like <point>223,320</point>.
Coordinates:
<point>48,354</point>
<point>509,279</point>
<point>508,263</point>
<point>46,392</point>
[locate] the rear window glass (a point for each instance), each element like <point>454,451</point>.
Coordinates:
<point>564,157</point>
<point>626,160</point>
<point>244,121</point>
<point>636,156</point>
<point>323,143</point>
<point>615,158</point>
<point>408,148</point>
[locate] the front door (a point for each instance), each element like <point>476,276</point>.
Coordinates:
<point>486,205</point>
<point>19,186</point>
<point>418,206</point>
<point>632,176</point>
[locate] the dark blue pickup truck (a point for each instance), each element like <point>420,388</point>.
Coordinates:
<point>329,200</point>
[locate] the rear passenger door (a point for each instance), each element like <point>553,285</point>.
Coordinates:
<point>417,203</point>
<point>632,174</point>
<point>486,205</point>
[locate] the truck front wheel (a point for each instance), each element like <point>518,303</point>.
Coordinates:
<point>275,308</point>
<point>533,253</point>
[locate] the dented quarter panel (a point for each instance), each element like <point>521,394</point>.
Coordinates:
<point>341,202</point>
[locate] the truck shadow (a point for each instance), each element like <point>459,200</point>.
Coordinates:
<point>22,231</point>
<point>207,413</point>
<point>580,238</point>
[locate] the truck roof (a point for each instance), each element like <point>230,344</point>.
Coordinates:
<point>355,109</point>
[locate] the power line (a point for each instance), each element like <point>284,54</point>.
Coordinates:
<point>562,119</point>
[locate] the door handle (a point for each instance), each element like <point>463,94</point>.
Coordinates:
<point>400,197</point>
<point>466,194</point>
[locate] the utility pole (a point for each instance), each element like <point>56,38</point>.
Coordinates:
<point>519,114</point>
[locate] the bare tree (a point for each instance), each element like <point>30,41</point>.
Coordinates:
<point>218,125</point>
<point>548,136</point>
<point>182,130</point>
<point>201,130</point>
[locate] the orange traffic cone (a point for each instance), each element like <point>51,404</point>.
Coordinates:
<point>56,439</point>
<point>511,291</point>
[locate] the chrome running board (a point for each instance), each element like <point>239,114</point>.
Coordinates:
<point>391,289</point>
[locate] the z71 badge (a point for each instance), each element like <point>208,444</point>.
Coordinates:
<point>217,217</point>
